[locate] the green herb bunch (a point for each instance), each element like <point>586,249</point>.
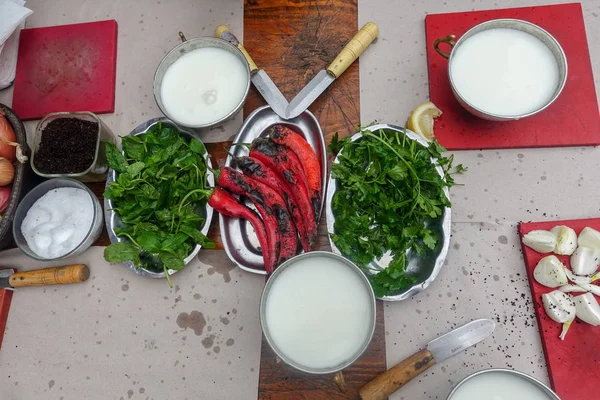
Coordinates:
<point>388,189</point>
<point>159,194</point>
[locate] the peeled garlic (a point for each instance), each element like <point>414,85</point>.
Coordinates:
<point>560,308</point>
<point>540,241</point>
<point>571,289</point>
<point>587,309</point>
<point>566,240</point>
<point>589,237</point>
<point>585,260</point>
<point>550,272</point>
<point>590,288</point>
<point>577,279</point>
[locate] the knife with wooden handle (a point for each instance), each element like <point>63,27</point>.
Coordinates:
<point>9,278</point>
<point>437,350</point>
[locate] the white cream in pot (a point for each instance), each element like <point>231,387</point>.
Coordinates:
<point>58,222</point>
<point>203,86</point>
<point>499,385</point>
<point>504,71</point>
<point>319,312</point>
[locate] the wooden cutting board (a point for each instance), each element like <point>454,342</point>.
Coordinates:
<point>573,364</point>
<point>292,42</point>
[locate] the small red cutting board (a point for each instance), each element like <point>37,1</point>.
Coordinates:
<point>66,68</point>
<point>572,120</point>
<point>573,364</point>
<point>5,299</point>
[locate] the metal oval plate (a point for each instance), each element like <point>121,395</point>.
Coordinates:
<point>239,239</point>
<point>113,220</point>
<point>426,267</point>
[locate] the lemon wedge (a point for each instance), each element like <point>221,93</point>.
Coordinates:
<point>421,120</point>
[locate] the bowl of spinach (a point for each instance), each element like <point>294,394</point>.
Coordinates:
<point>156,199</point>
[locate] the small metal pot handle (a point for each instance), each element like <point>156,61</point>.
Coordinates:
<point>450,39</point>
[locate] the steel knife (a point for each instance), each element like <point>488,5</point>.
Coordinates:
<point>259,78</point>
<point>436,351</point>
<point>359,43</point>
<point>10,279</point>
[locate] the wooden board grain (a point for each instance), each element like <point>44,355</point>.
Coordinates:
<point>292,41</point>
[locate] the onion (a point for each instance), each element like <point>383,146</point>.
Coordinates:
<point>7,172</point>
<point>4,198</point>
<point>7,138</point>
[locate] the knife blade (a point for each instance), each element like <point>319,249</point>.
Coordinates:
<point>10,279</point>
<point>359,43</point>
<point>436,351</point>
<point>261,81</point>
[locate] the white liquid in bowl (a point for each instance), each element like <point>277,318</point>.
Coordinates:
<point>504,72</point>
<point>203,86</point>
<point>319,312</point>
<point>499,385</point>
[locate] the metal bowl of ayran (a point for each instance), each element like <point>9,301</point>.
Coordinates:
<point>422,268</point>
<point>114,222</point>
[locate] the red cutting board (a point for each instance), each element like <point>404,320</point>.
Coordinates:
<point>573,364</point>
<point>66,68</point>
<point>5,299</point>
<point>572,120</point>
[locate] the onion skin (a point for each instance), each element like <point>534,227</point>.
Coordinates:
<point>7,133</point>
<point>4,198</point>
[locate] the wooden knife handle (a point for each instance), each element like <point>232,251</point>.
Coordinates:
<point>396,377</point>
<point>353,49</point>
<point>223,32</point>
<point>50,276</point>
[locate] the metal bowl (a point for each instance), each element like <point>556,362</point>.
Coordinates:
<point>184,48</point>
<point>263,303</point>
<point>528,27</point>
<point>425,267</point>
<point>21,182</point>
<point>543,388</point>
<point>239,239</point>
<point>114,221</point>
<point>34,195</point>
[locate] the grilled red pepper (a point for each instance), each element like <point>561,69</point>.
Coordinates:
<point>283,161</point>
<point>281,232</point>
<point>224,203</point>
<point>259,171</point>
<point>310,163</point>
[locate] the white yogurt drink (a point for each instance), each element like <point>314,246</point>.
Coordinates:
<point>504,71</point>
<point>499,385</point>
<point>203,86</point>
<point>319,312</point>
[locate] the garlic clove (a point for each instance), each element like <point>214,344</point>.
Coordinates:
<point>572,289</point>
<point>540,241</point>
<point>566,240</point>
<point>559,306</point>
<point>587,309</point>
<point>589,237</point>
<point>550,272</point>
<point>590,288</point>
<point>577,279</point>
<point>585,260</point>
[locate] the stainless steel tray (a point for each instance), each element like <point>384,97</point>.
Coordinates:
<point>113,220</point>
<point>239,239</point>
<point>426,267</point>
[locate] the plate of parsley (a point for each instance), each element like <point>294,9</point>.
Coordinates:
<point>388,208</point>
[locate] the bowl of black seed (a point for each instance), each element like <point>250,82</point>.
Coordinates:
<point>71,145</point>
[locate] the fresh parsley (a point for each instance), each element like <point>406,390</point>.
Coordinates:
<point>388,189</point>
<point>160,191</point>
